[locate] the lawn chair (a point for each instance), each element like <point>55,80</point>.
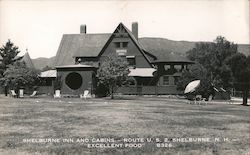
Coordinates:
<point>13,93</point>
<point>199,100</point>
<point>21,93</point>
<point>57,94</point>
<point>230,101</point>
<point>33,94</point>
<point>85,94</point>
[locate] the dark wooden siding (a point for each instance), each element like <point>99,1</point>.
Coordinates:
<point>149,90</point>
<point>87,80</point>
<point>132,50</point>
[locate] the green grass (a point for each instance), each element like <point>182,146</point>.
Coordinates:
<point>100,118</point>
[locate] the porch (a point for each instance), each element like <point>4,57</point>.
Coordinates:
<point>149,90</point>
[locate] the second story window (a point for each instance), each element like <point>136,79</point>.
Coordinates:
<point>78,60</point>
<point>124,44</point>
<point>121,44</point>
<point>117,44</point>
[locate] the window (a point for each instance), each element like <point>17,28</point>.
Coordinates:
<point>78,60</point>
<point>165,80</point>
<point>177,67</point>
<point>131,60</point>
<point>74,80</point>
<point>121,44</point>
<point>166,67</point>
<point>124,44</point>
<point>117,44</point>
<point>176,80</point>
<point>131,81</point>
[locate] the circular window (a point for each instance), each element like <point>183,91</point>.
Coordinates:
<point>74,80</point>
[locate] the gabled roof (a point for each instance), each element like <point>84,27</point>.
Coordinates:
<point>76,66</point>
<point>26,58</point>
<point>49,73</point>
<point>136,42</point>
<point>132,38</point>
<point>92,45</point>
<point>79,45</point>
<point>142,72</point>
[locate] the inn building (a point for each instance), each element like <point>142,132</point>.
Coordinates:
<point>79,56</point>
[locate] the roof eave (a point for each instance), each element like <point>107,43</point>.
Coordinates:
<point>172,62</point>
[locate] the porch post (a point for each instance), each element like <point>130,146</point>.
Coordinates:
<point>156,90</point>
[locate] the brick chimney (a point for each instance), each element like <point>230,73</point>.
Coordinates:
<point>83,29</point>
<point>135,29</point>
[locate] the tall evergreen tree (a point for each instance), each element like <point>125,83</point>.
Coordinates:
<point>9,53</point>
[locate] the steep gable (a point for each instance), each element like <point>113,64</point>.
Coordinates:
<point>26,58</point>
<point>122,40</point>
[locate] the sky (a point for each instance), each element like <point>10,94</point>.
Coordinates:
<point>38,26</point>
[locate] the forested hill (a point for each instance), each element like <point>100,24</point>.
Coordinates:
<point>159,45</point>
<point>165,45</point>
<point>40,63</point>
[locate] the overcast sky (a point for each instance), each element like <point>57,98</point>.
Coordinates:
<point>39,25</point>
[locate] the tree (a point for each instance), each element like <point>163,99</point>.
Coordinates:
<point>9,53</point>
<point>113,72</point>
<point>18,76</point>
<point>212,56</point>
<point>196,72</point>
<point>240,66</point>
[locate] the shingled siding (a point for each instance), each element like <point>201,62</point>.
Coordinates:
<point>79,45</point>
<point>49,90</point>
<point>86,81</point>
<point>132,50</point>
<point>149,90</point>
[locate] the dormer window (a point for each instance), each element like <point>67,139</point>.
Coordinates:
<point>117,44</point>
<point>124,44</point>
<point>121,48</point>
<point>121,44</point>
<point>78,60</point>
<point>131,61</point>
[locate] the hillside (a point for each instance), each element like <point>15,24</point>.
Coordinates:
<point>40,63</point>
<point>244,48</point>
<point>157,46</point>
<point>160,46</point>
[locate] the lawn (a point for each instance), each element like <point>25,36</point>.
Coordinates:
<point>122,126</point>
